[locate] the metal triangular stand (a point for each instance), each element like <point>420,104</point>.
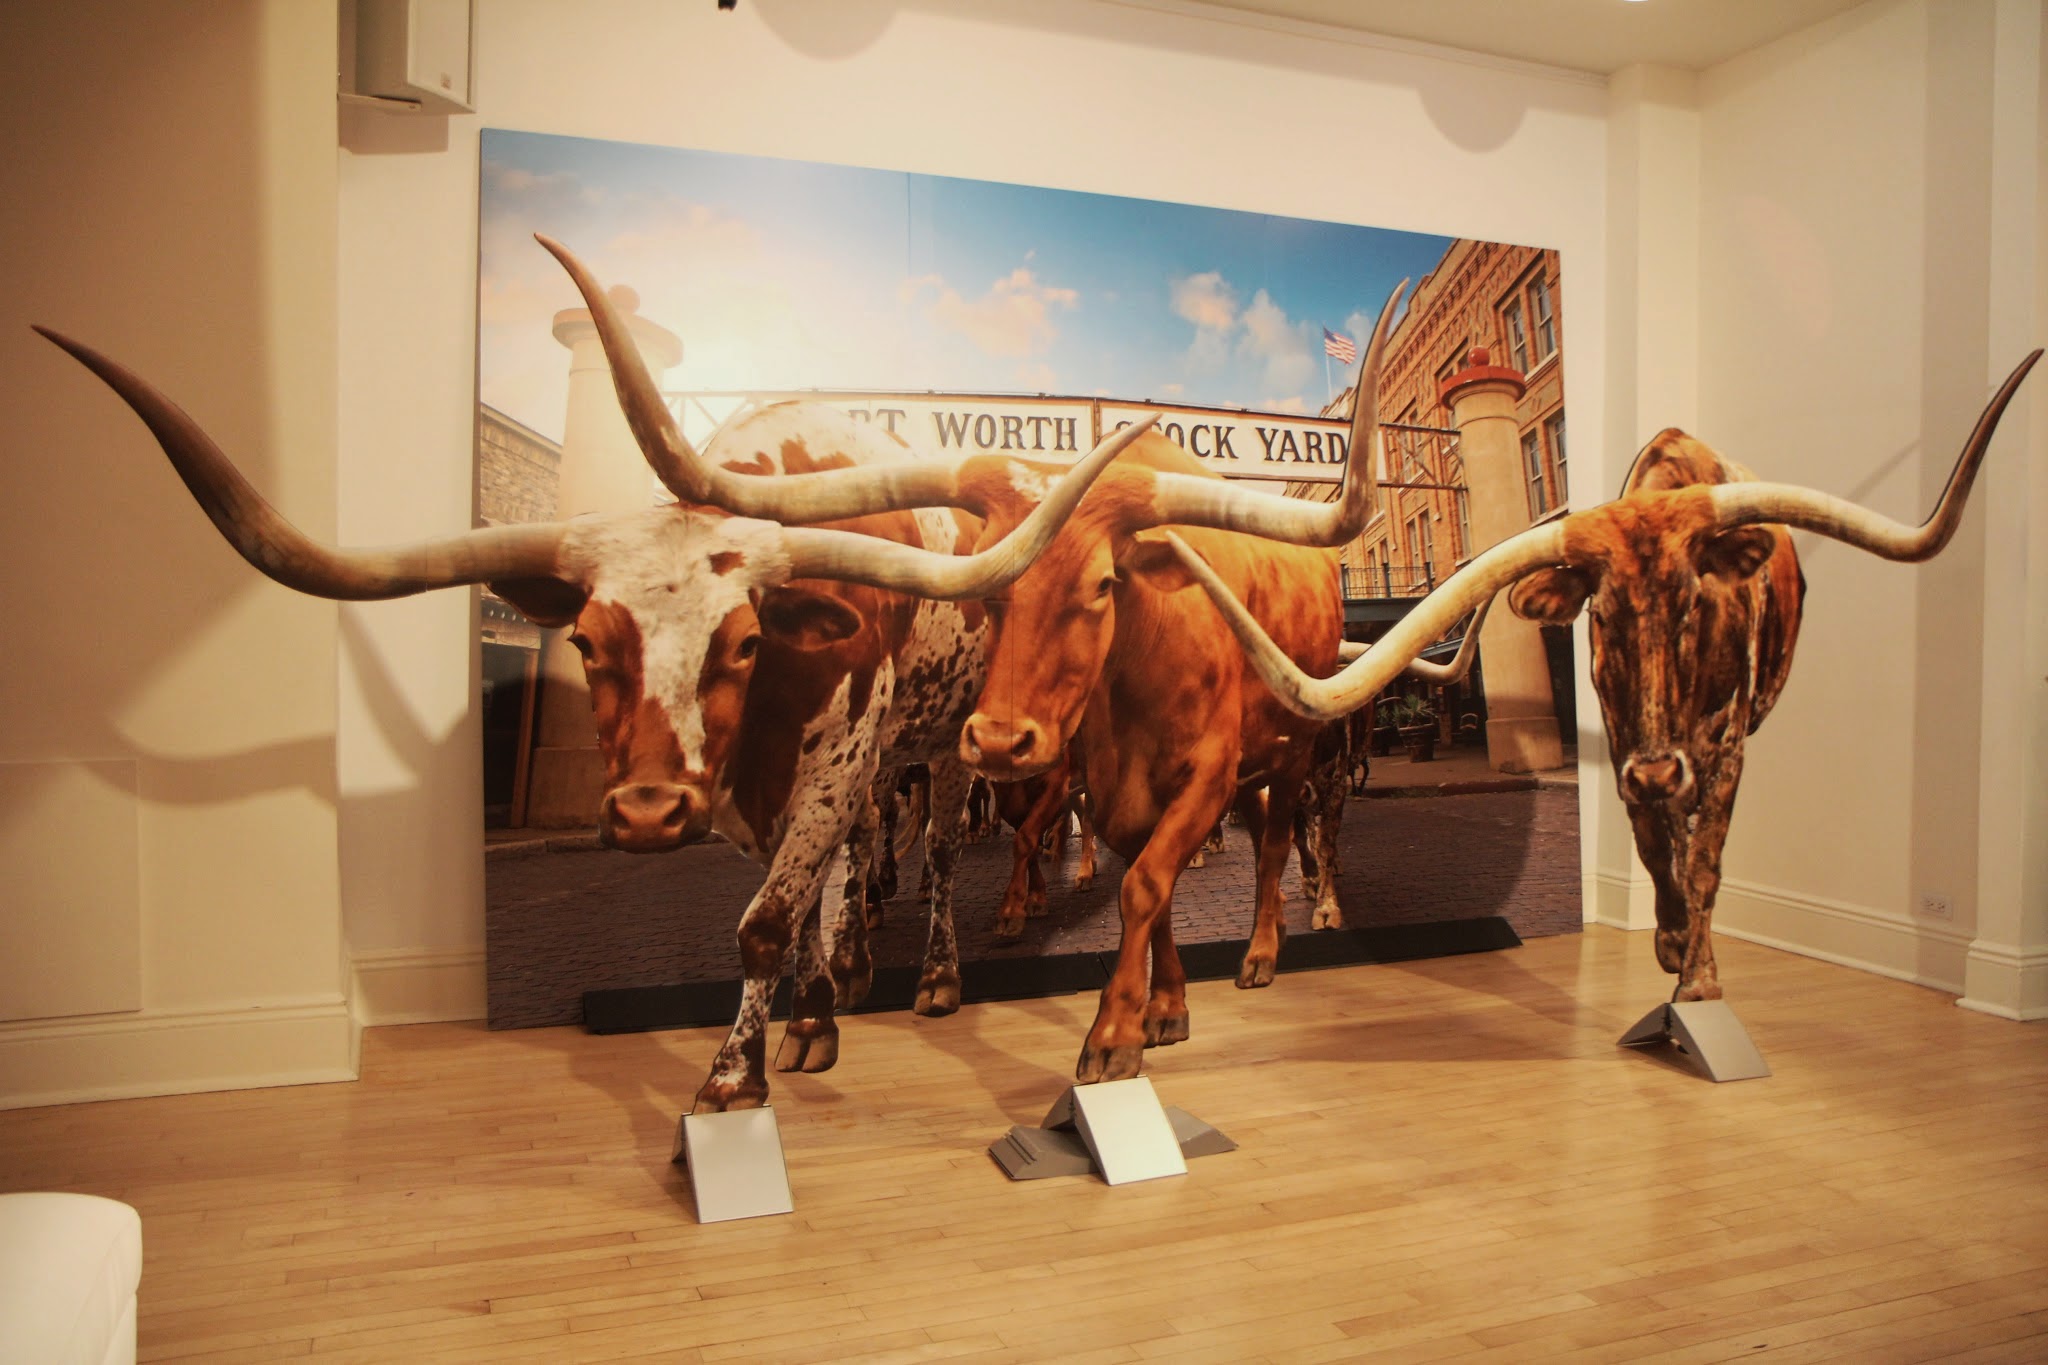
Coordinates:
<point>1706,1031</point>
<point>735,1164</point>
<point>1117,1128</point>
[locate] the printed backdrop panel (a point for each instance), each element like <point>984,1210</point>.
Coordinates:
<point>967,317</point>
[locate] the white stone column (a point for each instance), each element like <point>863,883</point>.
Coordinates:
<point>1521,713</point>
<point>2006,971</point>
<point>1653,328</point>
<point>602,470</point>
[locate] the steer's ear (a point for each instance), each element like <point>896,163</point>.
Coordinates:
<point>1151,558</point>
<point>1738,553</point>
<point>546,602</point>
<point>803,619</point>
<point>1552,596</point>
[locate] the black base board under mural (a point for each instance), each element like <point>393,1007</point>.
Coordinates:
<point>638,1009</point>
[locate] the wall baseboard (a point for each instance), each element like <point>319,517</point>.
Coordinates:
<point>417,985</point>
<point>174,1052</point>
<point>1840,932</point>
<point>1620,902</point>
<point>2006,982</point>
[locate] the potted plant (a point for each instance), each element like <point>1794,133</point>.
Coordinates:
<point>1385,730</point>
<point>1416,720</point>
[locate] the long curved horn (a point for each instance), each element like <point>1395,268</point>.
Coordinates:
<point>818,552</point>
<point>1743,504</point>
<point>288,555</point>
<point>1443,675</point>
<point>1358,683</point>
<point>827,495</point>
<point>1185,500</point>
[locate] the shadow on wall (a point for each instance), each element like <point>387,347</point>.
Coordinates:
<point>1475,116</point>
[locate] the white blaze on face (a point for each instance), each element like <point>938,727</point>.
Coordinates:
<point>679,574</point>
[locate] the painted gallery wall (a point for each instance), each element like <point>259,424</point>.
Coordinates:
<point>169,885</point>
<point>294,785</point>
<point>1873,220</point>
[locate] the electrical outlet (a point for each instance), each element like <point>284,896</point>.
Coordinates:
<point>1936,905</point>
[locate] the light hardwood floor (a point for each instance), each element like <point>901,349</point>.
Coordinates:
<point>1438,1159</point>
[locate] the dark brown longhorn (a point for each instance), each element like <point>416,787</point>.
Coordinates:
<point>1695,595</point>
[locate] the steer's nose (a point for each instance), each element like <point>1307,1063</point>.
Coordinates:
<point>1648,778</point>
<point>649,817</point>
<point>1004,749</point>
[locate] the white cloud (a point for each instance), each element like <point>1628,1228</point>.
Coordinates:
<point>1281,346</point>
<point>1172,390</point>
<point>1014,318</point>
<point>1207,300</point>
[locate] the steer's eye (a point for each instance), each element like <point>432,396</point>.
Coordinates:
<point>582,643</point>
<point>1106,586</point>
<point>747,648</point>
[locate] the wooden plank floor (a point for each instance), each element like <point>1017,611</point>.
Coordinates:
<point>1439,1159</point>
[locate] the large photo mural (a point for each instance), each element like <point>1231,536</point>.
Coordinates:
<point>952,318</point>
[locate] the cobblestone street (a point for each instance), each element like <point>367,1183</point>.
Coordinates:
<point>563,922</point>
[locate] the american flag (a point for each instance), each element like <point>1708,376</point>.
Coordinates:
<point>1339,347</point>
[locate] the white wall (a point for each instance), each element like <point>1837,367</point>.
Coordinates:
<point>1860,251</point>
<point>171,200</point>
<point>1852,256</point>
<point>1164,102</point>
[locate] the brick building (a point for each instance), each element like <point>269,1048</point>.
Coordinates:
<point>1485,304</point>
<point>1507,301</point>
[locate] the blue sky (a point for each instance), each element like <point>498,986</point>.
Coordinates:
<point>788,274</point>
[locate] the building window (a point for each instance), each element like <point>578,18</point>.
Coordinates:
<point>1553,430</point>
<point>1422,554</point>
<point>1541,315</point>
<point>1450,367</point>
<point>1532,468</point>
<point>1464,522</point>
<point>1518,337</point>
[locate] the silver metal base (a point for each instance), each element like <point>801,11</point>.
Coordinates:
<point>1708,1032</point>
<point>1117,1128</point>
<point>735,1163</point>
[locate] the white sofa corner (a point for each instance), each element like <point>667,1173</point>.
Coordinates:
<point>69,1265</point>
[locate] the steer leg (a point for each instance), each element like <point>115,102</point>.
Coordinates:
<point>1049,806</point>
<point>938,982</point>
<point>1269,815</point>
<point>1115,1048</point>
<point>1304,845</point>
<point>739,1076</point>
<point>1084,872</point>
<point>882,885</point>
<point>1322,805</point>
<point>830,792</point>
<point>810,1041</point>
<point>1166,1013</point>
<point>853,968</point>
<point>1664,848</point>
<point>1016,801</point>
<point>1698,977</point>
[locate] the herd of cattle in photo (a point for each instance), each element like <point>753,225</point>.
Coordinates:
<point>820,610</point>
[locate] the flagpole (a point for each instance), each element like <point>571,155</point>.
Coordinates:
<point>1329,385</point>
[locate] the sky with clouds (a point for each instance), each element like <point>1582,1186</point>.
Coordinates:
<point>789,274</point>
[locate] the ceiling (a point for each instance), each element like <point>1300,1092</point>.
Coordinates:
<point>1600,36</point>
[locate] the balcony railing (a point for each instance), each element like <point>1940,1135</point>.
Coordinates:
<point>1387,581</point>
